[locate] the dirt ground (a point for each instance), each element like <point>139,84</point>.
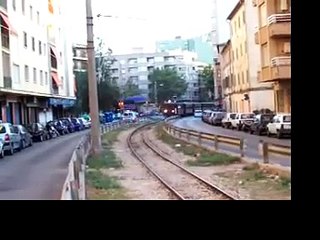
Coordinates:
<point>136,180</point>
<point>138,184</point>
<point>231,178</point>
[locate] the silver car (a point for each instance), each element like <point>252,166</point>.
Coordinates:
<point>10,137</point>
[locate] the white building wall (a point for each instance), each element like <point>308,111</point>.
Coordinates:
<point>45,117</point>
<point>262,99</point>
<point>22,55</point>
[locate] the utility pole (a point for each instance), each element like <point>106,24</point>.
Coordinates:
<point>92,82</point>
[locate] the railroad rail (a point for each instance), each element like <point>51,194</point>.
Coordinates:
<point>212,191</point>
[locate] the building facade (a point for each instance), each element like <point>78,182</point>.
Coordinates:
<point>273,38</point>
<point>201,45</point>
<point>248,93</point>
<point>137,67</point>
<point>34,73</point>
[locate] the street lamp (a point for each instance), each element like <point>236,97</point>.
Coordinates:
<point>92,82</point>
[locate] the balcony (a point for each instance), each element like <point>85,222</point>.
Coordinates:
<point>279,25</point>
<point>5,41</point>
<point>279,69</point>
<point>7,82</point>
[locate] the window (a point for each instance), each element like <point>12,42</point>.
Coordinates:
<point>263,15</point>
<point>242,76</point>
<point>14,4</point>
<point>41,77</point>
<point>38,17</point>
<point>245,47</point>
<point>46,78</point>
<point>26,73</point>
<point>23,6</point>
<point>241,52</point>
<point>16,73</point>
<point>237,54</point>
<point>31,13</point>
<point>244,17</point>
<point>239,21</point>
<point>40,47</point>
<point>25,39</point>
<point>238,77</point>
<point>264,55</point>
<point>33,44</point>
<point>248,76</point>
<point>44,49</point>
<point>34,75</point>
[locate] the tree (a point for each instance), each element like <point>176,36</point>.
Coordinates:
<point>82,102</point>
<point>168,84</point>
<point>108,91</point>
<point>130,89</point>
<point>206,83</point>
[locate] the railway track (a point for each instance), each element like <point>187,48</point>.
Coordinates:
<point>181,182</point>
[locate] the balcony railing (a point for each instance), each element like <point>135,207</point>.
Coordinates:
<point>7,82</point>
<point>281,61</point>
<point>5,41</point>
<point>279,18</point>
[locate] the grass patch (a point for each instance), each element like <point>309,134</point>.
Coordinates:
<point>107,159</point>
<point>203,157</point>
<point>103,187</point>
<point>100,181</point>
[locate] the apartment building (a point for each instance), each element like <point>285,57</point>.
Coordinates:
<point>247,92</point>
<point>225,56</point>
<point>80,58</point>
<point>137,66</point>
<point>273,38</point>
<point>35,68</point>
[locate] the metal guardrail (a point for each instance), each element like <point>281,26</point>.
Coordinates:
<point>265,148</point>
<point>74,186</point>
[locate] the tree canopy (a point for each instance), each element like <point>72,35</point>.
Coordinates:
<point>168,84</point>
<point>206,83</point>
<point>131,89</point>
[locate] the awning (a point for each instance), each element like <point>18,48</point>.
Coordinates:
<point>56,78</point>
<point>56,53</point>
<point>7,22</point>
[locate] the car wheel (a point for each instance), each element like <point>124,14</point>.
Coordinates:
<point>268,133</point>
<point>2,153</point>
<point>22,145</point>
<point>251,131</point>
<point>31,143</point>
<point>41,138</point>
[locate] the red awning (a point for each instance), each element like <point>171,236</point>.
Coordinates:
<point>7,22</point>
<point>55,78</point>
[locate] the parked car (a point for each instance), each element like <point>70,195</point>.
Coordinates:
<point>226,121</point>
<point>26,137</point>
<point>205,115</point>
<point>68,123</point>
<point>130,116</point>
<point>86,123</point>
<point>197,113</point>
<point>38,132</point>
<point>10,137</point>
<point>77,124</point>
<point>280,125</point>
<point>1,149</point>
<point>60,127</point>
<point>242,120</point>
<point>216,118</point>
<point>259,126</point>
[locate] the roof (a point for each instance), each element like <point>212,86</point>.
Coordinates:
<point>235,9</point>
<point>228,43</point>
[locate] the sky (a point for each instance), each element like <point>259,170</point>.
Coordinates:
<point>139,23</point>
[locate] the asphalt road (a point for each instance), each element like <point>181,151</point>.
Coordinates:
<point>252,141</point>
<point>38,172</point>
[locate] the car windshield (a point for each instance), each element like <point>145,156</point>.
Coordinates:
<point>198,111</point>
<point>232,116</point>
<point>287,118</point>
<point>247,116</point>
<point>2,129</point>
<point>266,118</point>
